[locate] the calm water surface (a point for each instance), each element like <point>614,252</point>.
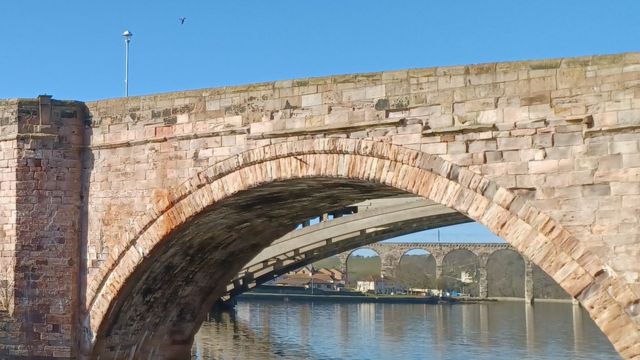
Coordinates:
<point>507,330</point>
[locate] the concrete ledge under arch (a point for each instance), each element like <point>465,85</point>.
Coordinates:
<point>533,234</point>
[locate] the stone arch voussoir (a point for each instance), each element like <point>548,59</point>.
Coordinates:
<point>529,231</point>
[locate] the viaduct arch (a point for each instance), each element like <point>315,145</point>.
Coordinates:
<point>111,205</point>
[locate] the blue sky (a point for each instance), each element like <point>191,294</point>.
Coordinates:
<point>73,49</point>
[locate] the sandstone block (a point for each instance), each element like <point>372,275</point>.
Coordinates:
<point>628,117</point>
<point>625,188</point>
<point>567,139</point>
<point>513,143</point>
<point>543,167</point>
<point>480,104</point>
<point>311,100</point>
<point>434,148</point>
<point>440,121</point>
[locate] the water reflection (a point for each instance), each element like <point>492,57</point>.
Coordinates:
<point>530,327</point>
<point>576,313</point>
<point>290,330</point>
<point>484,324</point>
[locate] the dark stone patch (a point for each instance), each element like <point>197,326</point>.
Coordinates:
<point>401,103</point>
<point>382,104</point>
<point>68,114</point>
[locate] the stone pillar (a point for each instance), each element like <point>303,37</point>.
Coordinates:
<point>528,281</point>
<point>483,288</point>
<point>388,263</point>
<point>325,217</point>
<point>439,258</point>
<point>48,218</point>
<point>344,257</point>
<point>388,268</point>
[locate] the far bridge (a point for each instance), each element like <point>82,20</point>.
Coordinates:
<point>375,220</point>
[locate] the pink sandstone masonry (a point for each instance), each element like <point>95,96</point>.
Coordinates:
<point>41,144</point>
<point>112,207</point>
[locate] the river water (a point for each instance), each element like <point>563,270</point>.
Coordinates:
<point>261,329</point>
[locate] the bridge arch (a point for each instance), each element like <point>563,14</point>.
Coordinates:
<point>362,166</point>
<point>350,254</point>
<point>421,272</point>
<point>465,261</point>
<point>350,257</point>
<point>417,250</point>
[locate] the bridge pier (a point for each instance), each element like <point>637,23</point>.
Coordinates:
<point>40,265</point>
<point>344,257</point>
<point>389,262</point>
<point>483,288</point>
<point>528,281</point>
<point>387,270</point>
<point>439,258</point>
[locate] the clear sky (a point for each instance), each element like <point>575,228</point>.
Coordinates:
<point>73,49</point>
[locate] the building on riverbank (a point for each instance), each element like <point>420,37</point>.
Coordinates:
<point>308,277</point>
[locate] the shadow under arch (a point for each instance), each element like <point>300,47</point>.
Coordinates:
<point>362,166</point>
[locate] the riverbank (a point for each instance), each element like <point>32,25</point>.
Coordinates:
<point>542,300</point>
<point>389,299</point>
<point>291,293</point>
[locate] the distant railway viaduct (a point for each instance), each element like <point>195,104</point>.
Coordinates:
<point>373,221</point>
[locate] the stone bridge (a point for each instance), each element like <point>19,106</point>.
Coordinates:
<point>375,220</point>
<point>391,254</point>
<point>124,219</point>
<point>284,255</point>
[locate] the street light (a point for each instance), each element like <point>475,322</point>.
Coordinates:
<point>127,39</point>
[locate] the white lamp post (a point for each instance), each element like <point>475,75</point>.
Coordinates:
<point>127,39</point>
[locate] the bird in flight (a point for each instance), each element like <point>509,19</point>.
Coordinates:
<point>182,19</point>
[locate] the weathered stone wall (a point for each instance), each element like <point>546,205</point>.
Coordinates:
<point>9,329</point>
<point>8,145</point>
<point>563,133</point>
<point>42,147</point>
